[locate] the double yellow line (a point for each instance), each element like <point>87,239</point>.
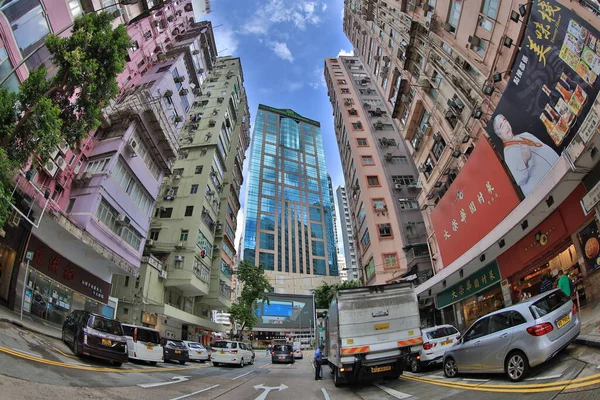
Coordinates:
<point>515,388</point>
<point>90,368</point>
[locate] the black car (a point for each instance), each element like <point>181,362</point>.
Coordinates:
<point>282,353</point>
<point>95,335</point>
<point>175,350</point>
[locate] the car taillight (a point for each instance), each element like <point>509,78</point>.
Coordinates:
<point>428,345</point>
<point>540,329</point>
<point>135,335</point>
<point>292,353</point>
<point>233,351</point>
<point>574,311</point>
<point>272,353</point>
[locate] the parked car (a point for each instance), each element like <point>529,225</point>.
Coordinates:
<point>516,338</point>
<point>143,343</point>
<point>230,352</point>
<point>282,353</point>
<point>436,340</point>
<point>298,353</point>
<point>175,350</point>
<point>95,335</point>
<point>196,351</point>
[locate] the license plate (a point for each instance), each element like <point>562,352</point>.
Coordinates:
<point>198,352</point>
<point>281,357</point>
<point>177,351</point>
<point>385,368</point>
<point>149,347</point>
<point>221,352</point>
<point>563,321</point>
<point>106,342</point>
<point>446,342</point>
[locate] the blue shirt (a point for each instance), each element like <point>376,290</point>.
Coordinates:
<point>318,355</point>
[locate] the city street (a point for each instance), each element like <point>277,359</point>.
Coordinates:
<point>34,366</point>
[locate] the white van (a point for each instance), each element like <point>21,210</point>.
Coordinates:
<point>143,343</point>
<point>229,352</point>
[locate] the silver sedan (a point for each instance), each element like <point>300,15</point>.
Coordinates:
<point>516,338</point>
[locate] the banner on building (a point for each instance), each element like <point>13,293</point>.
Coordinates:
<point>477,201</point>
<point>554,82</point>
<point>285,312</point>
<point>473,284</point>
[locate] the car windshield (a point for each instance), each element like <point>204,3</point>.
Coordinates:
<point>107,325</point>
<point>280,347</point>
<point>225,345</point>
<point>147,335</point>
<point>441,332</point>
<point>196,346</point>
<point>175,343</point>
<point>549,303</point>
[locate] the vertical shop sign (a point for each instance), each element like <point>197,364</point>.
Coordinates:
<point>588,239</point>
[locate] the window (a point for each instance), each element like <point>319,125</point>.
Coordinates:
<point>194,189</point>
<point>438,147</point>
<point>183,235</point>
<point>385,230</point>
<point>341,82</point>
<point>108,216</point>
<point>517,318</point>
<point>198,169</point>
<point>97,166</point>
<point>499,322</point>
<point>130,185</point>
<point>28,23</point>
<point>75,8</point>
<point>154,234</point>
<point>357,125</point>
<point>338,73</point>
<point>166,212</point>
<point>362,142</point>
<point>547,304</point>
<point>367,160</point>
<point>478,330</point>
<point>353,112</point>
<point>429,165</point>
<point>399,160</point>
<point>365,241</point>
<point>480,48</point>
<point>12,82</point>
<point>189,210</point>
<point>178,172</point>
<point>379,204</point>
<point>403,179</point>
<point>373,180</point>
<point>490,8</point>
<point>454,15</point>
<point>408,204</point>
<point>345,91</point>
<point>126,281</point>
<point>70,206</point>
<point>370,269</point>
<point>390,260</point>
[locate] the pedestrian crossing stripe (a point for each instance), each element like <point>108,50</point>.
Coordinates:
<point>410,342</point>
<point>356,350</point>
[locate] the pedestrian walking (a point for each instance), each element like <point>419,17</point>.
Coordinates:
<point>564,283</point>
<point>318,359</point>
<point>547,283</point>
<point>268,350</point>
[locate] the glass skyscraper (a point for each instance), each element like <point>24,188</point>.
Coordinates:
<point>289,213</point>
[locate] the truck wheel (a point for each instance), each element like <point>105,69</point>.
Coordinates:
<point>415,366</point>
<point>337,380</point>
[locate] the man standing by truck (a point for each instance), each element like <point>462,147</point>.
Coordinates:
<point>318,359</point>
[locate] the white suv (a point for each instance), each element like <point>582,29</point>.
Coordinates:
<point>229,352</point>
<point>436,341</point>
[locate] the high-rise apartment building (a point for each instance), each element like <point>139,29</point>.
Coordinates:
<point>186,272</point>
<point>344,273</point>
<point>332,201</point>
<point>380,177</point>
<point>289,214</point>
<point>351,260</point>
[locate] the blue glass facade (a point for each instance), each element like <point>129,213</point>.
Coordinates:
<point>289,214</point>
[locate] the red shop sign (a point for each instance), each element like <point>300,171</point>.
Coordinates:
<point>50,263</point>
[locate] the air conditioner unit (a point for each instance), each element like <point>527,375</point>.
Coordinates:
<point>123,219</point>
<point>178,258</point>
<point>132,145</point>
<point>150,243</point>
<point>181,245</point>
<point>54,153</point>
<point>219,226</point>
<point>398,186</point>
<point>14,219</point>
<point>62,164</point>
<point>50,168</point>
<point>63,146</point>
<point>429,20</point>
<point>176,177</point>
<point>168,197</point>
<point>388,156</point>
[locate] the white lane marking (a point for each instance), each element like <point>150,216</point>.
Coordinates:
<point>475,380</point>
<point>237,377</point>
<point>175,379</point>
<point>325,394</point>
<point>195,393</point>
<point>264,366</point>
<point>267,389</point>
<point>392,392</point>
<point>28,353</point>
<point>540,378</point>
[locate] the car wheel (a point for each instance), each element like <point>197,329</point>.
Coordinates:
<point>216,364</point>
<point>450,367</point>
<point>76,350</point>
<point>117,363</point>
<point>182,362</point>
<point>516,366</point>
<point>64,338</point>
<point>252,361</point>
<point>242,363</point>
<point>415,366</point>
<point>152,362</point>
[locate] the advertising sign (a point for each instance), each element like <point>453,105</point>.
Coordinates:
<point>285,312</point>
<point>477,201</point>
<point>588,239</point>
<point>553,84</point>
<point>473,284</point>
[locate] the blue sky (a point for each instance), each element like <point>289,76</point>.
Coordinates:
<point>282,45</point>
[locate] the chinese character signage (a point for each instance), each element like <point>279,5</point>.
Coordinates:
<point>588,239</point>
<point>473,284</point>
<point>553,85</point>
<point>479,199</point>
<point>52,264</point>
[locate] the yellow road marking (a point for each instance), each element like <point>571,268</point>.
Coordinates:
<point>97,369</point>
<point>504,388</point>
<point>64,354</point>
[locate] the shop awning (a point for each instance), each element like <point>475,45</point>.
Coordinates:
<point>185,318</point>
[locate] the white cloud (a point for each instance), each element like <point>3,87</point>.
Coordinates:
<point>343,53</point>
<point>282,51</point>
<point>226,40</point>
<point>317,78</point>
<point>324,7</point>
<point>299,13</point>
<point>293,86</point>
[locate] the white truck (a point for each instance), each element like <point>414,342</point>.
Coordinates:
<point>370,330</point>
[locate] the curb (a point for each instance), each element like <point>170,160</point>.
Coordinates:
<point>22,326</point>
<point>587,340</point>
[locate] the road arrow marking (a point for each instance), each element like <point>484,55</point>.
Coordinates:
<point>325,394</point>
<point>175,379</point>
<point>237,377</point>
<point>392,392</point>
<point>195,393</point>
<point>267,389</point>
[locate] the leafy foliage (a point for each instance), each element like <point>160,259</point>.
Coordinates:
<point>324,293</point>
<point>254,288</point>
<point>66,107</point>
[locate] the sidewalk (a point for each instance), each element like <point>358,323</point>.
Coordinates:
<point>590,325</point>
<point>30,323</point>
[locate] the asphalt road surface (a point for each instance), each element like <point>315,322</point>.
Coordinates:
<point>37,367</point>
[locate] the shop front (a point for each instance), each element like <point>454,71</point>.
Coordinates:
<point>56,286</point>
<point>472,297</point>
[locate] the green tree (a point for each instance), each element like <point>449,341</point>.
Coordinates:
<point>66,107</point>
<point>255,287</point>
<point>324,293</point>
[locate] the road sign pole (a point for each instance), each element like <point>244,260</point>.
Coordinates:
<point>29,257</point>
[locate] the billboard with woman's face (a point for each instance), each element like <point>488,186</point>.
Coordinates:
<point>554,82</point>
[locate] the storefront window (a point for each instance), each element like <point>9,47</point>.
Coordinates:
<point>482,304</point>
<point>49,299</point>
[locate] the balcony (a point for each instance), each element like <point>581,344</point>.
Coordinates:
<point>191,283</point>
<point>416,255</point>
